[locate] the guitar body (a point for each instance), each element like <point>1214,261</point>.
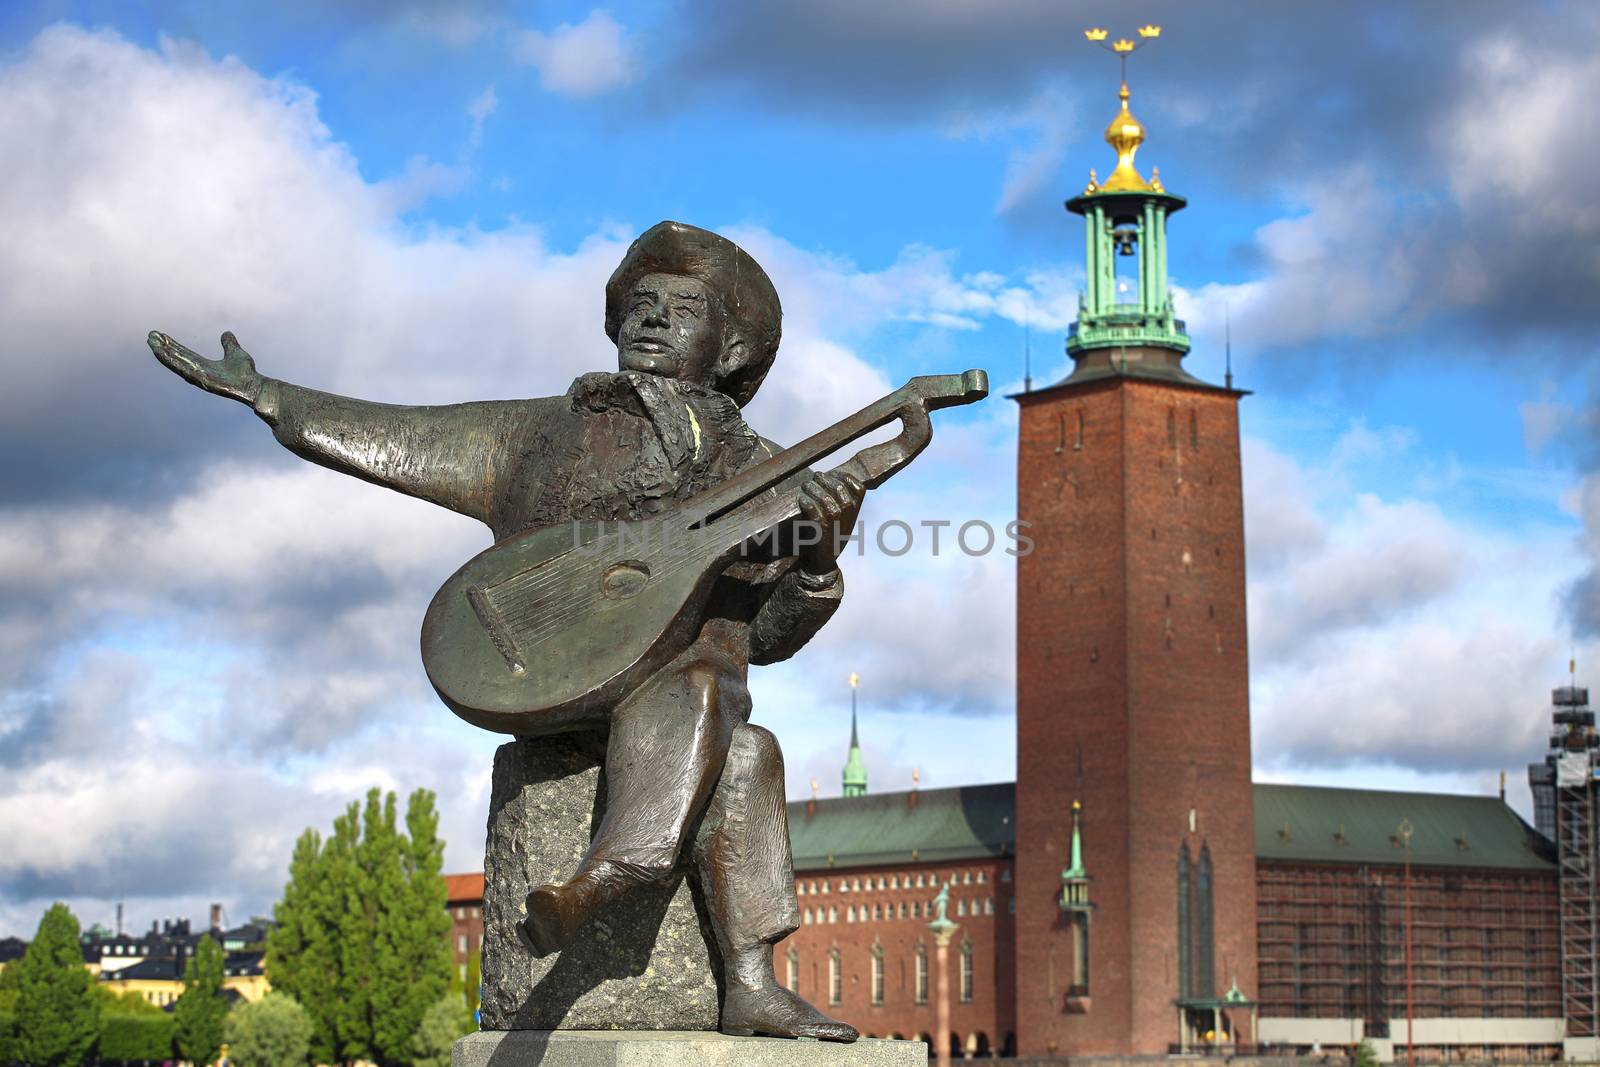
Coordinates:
<point>548,629</point>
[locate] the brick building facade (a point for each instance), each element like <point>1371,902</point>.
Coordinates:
<point>866,870</point>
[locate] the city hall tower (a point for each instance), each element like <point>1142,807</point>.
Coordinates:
<point>1135,847</point>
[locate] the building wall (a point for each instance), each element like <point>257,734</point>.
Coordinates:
<point>980,903</point>
<point>466,931</point>
<point>1132,696</point>
<point>1484,945</point>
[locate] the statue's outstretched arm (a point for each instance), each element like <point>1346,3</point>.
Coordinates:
<point>448,454</point>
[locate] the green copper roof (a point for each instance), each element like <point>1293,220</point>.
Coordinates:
<point>855,768</point>
<point>967,822</point>
<point>1310,824</point>
<point>1325,825</point>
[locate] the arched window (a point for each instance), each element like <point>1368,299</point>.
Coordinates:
<point>850,914</point>
<point>805,917</point>
<point>794,969</point>
<point>877,974</point>
<point>921,990</point>
<point>833,914</point>
<point>1172,428</point>
<point>835,978</point>
<point>877,911</point>
<point>966,971</point>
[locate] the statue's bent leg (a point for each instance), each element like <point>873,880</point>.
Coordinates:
<point>742,856</point>
<point>666,749</point>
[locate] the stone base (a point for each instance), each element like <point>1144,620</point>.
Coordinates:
<point>674,1048</point>
<point>645,962</point>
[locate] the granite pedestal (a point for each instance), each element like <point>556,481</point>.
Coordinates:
<point>645,962</point>
<point>665,1048</point>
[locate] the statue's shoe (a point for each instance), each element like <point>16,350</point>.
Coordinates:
<point>776,1012</point>
<point>553,917</point>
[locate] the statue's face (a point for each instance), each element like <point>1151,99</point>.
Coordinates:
<point>673,326</point>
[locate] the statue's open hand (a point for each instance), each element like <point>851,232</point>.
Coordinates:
<point>233,375</point>
<point>831,504</point>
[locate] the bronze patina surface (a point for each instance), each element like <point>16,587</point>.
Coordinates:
<point>688,781</point>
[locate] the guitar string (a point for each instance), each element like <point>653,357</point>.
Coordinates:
<point>554,613</point>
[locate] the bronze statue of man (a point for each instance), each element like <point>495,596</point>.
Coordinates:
<point>696,323</point>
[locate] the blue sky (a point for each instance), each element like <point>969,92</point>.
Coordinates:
<point>206,644</point>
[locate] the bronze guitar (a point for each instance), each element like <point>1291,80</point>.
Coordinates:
<point>509,641</point>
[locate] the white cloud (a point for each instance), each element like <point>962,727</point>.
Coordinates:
<point>199,669</point>
<point>483,105</point>
<point>1047,123</point>
<point>1387,633</point>
<point>585,59</point>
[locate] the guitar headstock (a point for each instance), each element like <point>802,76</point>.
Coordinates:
<point>948,390</point>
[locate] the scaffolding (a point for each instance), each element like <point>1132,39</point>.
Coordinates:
<point>1574,761</point>
<point>1332,943</point>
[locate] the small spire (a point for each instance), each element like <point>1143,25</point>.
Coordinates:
<point>1075,879</point>
<point>855,768</point>
<point>1075,870</point>
<point>1227,347</point>
<point>1027,353</point>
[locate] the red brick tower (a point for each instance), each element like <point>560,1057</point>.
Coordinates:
<point>1132,673</point>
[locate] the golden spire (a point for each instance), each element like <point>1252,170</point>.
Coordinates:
<point>1126,133</point>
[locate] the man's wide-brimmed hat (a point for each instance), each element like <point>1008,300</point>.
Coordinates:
<point>747,294</point>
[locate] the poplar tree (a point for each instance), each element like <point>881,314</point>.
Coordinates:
<point>362,941</point>
<point>199,1013</point>
<point>414,961</point>
<point>57,1012</point>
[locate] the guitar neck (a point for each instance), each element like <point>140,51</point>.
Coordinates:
<point>872,466</point>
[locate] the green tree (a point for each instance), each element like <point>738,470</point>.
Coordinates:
<point>275,1031</point>
<point>200,1010</point>
<point>8,1014</point>
<point>130,1038</point>
<point>362,930</point>
<point>113,1004</point>
<point>467,986</point>
<point>57,1012</point>
<point>301,953</point>
<point>1366,1055</point>
<point>413,932</point>
<point>445,1020</point>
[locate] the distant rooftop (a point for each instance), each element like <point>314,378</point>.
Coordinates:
<point>1309,824</point>
<point>965,822</point>
<point>463,887</point>
<point>1323,824</point>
